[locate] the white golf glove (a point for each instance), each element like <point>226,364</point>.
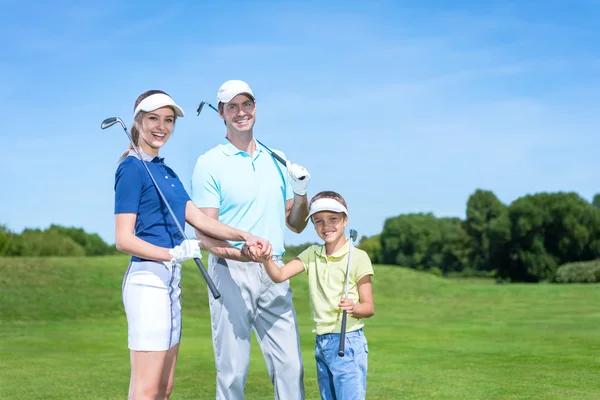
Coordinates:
<point>187,250</point>
<point>299,178</point>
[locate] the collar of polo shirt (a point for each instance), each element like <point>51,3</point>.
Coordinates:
<point>145,157</point>
<point>322,252</point>
<point>229,149</point>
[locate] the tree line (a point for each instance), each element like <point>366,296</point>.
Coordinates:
<point>552,237</point>
<point>56,240</point>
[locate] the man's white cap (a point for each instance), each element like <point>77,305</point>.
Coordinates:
<point>326,204</point>
<point>232,88</point>
<point>156,101</point>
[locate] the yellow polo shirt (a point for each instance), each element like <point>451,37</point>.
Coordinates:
<point>326,285</point>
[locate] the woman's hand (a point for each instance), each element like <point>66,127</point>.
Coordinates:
<point>257,249</point>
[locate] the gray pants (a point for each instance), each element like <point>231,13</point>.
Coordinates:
<point>251,301</point>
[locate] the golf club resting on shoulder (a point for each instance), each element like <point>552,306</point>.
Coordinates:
<point>246,185</point>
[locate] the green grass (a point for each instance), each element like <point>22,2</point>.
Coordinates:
<point>63,336</point>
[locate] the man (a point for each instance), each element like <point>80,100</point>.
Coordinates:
<point>239,183</point>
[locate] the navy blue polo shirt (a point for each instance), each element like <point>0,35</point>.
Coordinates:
<point>135,193</point>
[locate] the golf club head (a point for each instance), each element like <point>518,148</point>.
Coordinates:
<point>353,234</point>
<point>199,109</point>
<point>108,122</point>
<point>202,104</point>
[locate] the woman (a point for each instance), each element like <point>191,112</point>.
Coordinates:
<point>146,230</point>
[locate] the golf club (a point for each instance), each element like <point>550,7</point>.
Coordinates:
<point>107,123</point>
<point>352,238</point>
<point>271,152</point>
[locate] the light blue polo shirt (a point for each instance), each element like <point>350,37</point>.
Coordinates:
<point>249,191</point>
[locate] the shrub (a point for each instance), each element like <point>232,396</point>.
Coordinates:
<point>579,272</point>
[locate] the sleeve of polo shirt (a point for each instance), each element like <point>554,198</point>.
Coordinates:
<point>289,192</point>
<point>205,192</point>
<point>128,188</point>
<point>306,257</point>
<point>362,265</point>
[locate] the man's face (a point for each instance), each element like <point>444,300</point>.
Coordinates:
<point>239,114</point>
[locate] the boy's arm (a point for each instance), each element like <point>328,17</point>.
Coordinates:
<point>365,308</point>
<point>277,274</point>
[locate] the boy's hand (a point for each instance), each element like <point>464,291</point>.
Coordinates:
<point>263,253</point>
<point>258,252</point>
<point>346,305</point>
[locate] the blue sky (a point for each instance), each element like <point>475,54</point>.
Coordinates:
<point>400,106</point>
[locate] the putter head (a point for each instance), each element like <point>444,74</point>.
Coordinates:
<point>199,109</point>
<point>108,122</point>
<point>353,235</point>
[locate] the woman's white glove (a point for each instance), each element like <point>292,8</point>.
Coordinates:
<point>188,249</point>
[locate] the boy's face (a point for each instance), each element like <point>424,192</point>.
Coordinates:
<point>330,225</point>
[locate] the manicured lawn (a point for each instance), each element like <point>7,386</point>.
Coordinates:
<point>63,336</point>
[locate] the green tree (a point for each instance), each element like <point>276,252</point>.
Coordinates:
<point>9,244</point>
<point>484,216</point>
<point>91,243</point>
<point>372,245</point>
<point>548,230</point>
<point>422,241</point>
<point>596,201</point>
<point>37,243</point>
<point>406,240</point>
<point>455,245</point>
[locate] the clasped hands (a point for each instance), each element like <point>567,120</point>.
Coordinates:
<point>254,249</point>
<point>257,249</point>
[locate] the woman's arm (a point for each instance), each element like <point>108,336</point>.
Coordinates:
<point>212,235</point>
<point>127,242</point>
<point>277,274</point>
<point>218,247</point>
<point>212,227</point>
<point>365,308</point>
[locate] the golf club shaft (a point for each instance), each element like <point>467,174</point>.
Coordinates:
<point>213,289</point>
<point>271,152</point>
<point>345,314</point>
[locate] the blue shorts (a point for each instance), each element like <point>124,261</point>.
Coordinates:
<point>342,377</point>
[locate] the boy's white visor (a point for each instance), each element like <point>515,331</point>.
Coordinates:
<point>326,205</point>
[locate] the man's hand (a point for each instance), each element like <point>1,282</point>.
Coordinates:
<point>257,249</point>
<point>299,178</point>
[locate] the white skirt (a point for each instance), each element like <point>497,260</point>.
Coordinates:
<point>152,300</point>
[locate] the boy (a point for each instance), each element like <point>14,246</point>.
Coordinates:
<point>339,377</point>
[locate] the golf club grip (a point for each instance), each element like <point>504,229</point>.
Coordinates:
<point>211,285</point>
<point>342,334</point>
